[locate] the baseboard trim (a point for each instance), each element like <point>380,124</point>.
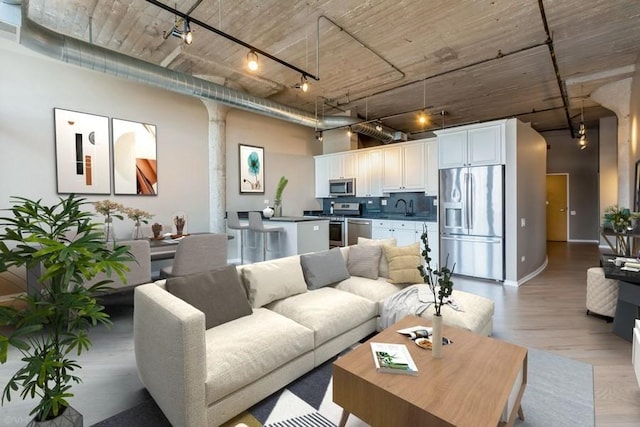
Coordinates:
<point>520,282</point>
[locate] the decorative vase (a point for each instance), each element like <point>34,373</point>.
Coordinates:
<point>137,231</point>
<point>277,209</point>
<point>109,234</point>
<point>436,337</point>
<point>267,212</point>
<point>68,418</point>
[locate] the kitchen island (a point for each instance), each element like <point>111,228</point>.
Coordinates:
<point>302,234</point>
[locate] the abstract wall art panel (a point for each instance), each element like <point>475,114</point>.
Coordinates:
<point>251,169</point>
<point>82,152</point>
<point>135,168</point>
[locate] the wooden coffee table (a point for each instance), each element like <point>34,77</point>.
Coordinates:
<point>479,381</point>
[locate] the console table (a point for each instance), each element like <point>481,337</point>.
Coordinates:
<point>628,306</point>
<point>623,242</point>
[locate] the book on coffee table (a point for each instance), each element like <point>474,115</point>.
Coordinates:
<point>393,359</point>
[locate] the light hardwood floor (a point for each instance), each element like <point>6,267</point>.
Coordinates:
<point>548,312</point>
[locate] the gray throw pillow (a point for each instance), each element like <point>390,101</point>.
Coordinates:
<point>217,293</point>
<point>364,260</point>
<point>323,268</point>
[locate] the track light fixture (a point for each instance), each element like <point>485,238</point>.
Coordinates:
<point>252,60</point>
<point>181,29</point>
<point>319,135</point>
<point>304,84</point>
<point>379,126</point>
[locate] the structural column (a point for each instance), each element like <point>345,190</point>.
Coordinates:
<point>217,165</point>
<point>616,97</point>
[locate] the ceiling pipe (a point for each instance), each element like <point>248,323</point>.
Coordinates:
<point>556,69</point>
<point>77,52</point>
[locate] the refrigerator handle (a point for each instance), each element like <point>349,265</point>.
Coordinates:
<point>470,192</point>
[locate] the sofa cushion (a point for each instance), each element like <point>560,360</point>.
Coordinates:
<point>373,290</point>
<point>383,267</point>
<point>403,263</point>
<point>272,280</point>
<point>217,293</point>
<point>364,261</point>
<point>326,311</point>
<point>323,268</point>
<point>246,349</point>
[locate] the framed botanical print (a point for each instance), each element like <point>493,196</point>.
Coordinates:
<point>251,169</point>
<point>135,168</point>
<point>82,152</point>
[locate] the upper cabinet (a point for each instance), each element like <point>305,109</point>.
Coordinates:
<point>323,171</point>
<point>334,166</point>
<point>369,178</point>
<point>403,167</point>
<point>472,145</point>
<point>431,167</point>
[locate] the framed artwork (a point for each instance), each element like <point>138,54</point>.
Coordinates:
<point>82,152</point>
<point>251,169</point>
<point>636,189</point>
<point>135,169</point>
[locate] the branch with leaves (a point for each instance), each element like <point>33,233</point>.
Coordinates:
<point>438,280</point>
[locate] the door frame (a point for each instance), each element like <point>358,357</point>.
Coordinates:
<point>568,202</point>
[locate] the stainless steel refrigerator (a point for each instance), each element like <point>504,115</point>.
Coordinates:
<point>472,220</point>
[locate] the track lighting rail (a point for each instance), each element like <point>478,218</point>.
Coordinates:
<point>231,38</point>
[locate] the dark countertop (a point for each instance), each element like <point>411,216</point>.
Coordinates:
<point>400,217</point>
<point>296,218</point>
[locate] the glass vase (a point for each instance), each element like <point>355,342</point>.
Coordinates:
<point>277,209</point>
<point>436,337</point>
<point>109,234</point>
<point>137,231</point>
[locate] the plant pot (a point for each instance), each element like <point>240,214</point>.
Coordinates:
<point>69,418</point>
<point>436,337</point>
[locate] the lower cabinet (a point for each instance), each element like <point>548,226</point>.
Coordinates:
<point>408,232</point>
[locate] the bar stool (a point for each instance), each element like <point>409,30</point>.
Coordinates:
<point>257,226</point>
<point>233,222</point>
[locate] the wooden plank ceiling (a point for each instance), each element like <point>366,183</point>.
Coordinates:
<point>385,59</point>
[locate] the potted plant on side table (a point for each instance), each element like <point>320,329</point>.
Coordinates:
<point>69,247</point>
<point>441,286</point>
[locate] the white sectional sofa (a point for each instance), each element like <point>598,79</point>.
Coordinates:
<point>299,317</point>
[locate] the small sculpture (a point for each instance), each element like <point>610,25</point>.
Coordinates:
<point>157,229</point>
<point>179,221</point>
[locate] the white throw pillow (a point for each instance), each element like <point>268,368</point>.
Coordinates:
<point>272,280</point>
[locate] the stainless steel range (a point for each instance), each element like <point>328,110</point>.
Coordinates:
<point>338,222</point>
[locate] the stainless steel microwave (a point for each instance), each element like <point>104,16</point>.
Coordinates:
<point>342,187</point>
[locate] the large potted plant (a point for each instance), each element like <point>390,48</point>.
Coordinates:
<point>441,286</point>
<point>68,247</point>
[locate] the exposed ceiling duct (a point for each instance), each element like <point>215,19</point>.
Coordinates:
<point>86,55</point>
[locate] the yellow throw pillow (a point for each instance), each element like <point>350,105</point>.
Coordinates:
<point>403,263</point>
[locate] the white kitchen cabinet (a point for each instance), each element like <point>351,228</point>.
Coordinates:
<point>431,169</point>
<point>343,165</point>
<point>405,232</point>
<point>403,167</point>
<point>369,177</point>
<point>472,145</point>
<point>433,236</point>
<point>322,176</point>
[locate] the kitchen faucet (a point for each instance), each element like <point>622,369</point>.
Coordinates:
<point>405,205</point>
<point>410,207</point>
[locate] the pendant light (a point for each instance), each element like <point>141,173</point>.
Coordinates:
<point>252,60</point>
<point>583,143</point>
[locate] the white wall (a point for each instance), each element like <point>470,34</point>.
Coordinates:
<point>31,86</point>
<point>288,151</point>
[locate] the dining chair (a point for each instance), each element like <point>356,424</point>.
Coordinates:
<point>139,269</point>
<point>257,226</point>
<point>233,222</point>
<point>197,253</point>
